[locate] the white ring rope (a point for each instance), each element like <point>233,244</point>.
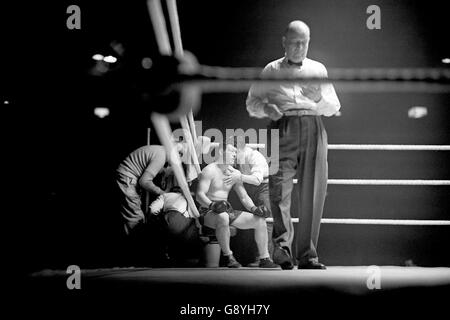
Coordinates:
<point>161,122</point>
<point>386,182</point>
<point>389,182</point>
<point>159,27</point>
<point>394,222</point>
<point>399,147</point>
<point>356,86</point>
<point>380,147</point>
<point>175,26</point>
<point>162,127</point>
<point>191,148</point>
<point>334,74</point>
<point>224,79</point>
<point>186,121</point>
<point>376,182</point>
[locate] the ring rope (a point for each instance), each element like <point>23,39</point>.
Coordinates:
<point>192,126</point>
<point>399,147</point>
<point>162,127</point>
<point>334,74</point>
<point>161,122</point>
<point>225,79</point>
<point>175,26</point>
<point>390,147</point>
<point>159,27</point>
<point>187,134</point>
<point>186,121</point>
<point>355,86</point>
<point>386,182</point>
<point>396,222</point>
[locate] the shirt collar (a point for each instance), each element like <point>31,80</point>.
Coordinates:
<point>290,64</point>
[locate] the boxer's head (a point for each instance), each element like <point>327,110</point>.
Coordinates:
<point>236,140</point>
<point>227,154</point>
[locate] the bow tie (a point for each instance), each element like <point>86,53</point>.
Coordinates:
<point>297,64</point>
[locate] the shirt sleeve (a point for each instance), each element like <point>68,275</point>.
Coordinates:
<point>257,97</point>
<point>329,104</point>
<point>157,162</point>
<point>157,205</point>
<point>259,166</point>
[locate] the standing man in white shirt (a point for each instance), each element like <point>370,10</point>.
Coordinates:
<point>295,110</point>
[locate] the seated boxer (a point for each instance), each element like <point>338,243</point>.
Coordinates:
<point>212,194</point>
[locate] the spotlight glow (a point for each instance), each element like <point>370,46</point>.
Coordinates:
<point>417,112</point>
<point>101,112</point>
<point>446,60</point>
<point>97,57</point>
<point>147,63</point>
<point>110,59</point>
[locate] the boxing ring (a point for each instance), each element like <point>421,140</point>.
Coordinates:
<point>163,293</point>
<point>166,291</point>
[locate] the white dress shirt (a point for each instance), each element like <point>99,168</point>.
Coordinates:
<point>252,162</point>
<point>288,96</point>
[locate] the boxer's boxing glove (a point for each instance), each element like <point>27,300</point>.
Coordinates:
<point>261,211</point>
<point>220,206</point>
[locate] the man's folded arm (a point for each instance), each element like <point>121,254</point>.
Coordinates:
<point>329,104</point>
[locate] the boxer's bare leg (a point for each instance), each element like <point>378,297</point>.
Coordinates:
<point>246,220</point>
<point>221,223</point>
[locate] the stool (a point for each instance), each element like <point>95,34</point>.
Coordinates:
<point>211,250</point>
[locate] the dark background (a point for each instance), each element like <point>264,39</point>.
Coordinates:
<point>66,210</point>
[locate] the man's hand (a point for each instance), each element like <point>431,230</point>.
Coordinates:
<point>261,211</point>
<point>312,92</point>
<point>233,176</point>
<point>272,111</point>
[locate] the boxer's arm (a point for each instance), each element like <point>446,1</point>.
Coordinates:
<point>203,186</point>
<point>246,201</point>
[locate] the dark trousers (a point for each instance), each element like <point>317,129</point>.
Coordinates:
<point>303,154</point>
<point>167,239</point>
<point>130,202</point>
<point>260,196</point>
<point>183,237</point>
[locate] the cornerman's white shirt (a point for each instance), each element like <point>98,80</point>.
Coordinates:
<point>252,162</point>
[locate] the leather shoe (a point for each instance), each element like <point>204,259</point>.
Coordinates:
<point>231,262</point>
<point>267,263</point>
<point>282,257</point>
<point>254,264</point>
<point>312,265</point>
